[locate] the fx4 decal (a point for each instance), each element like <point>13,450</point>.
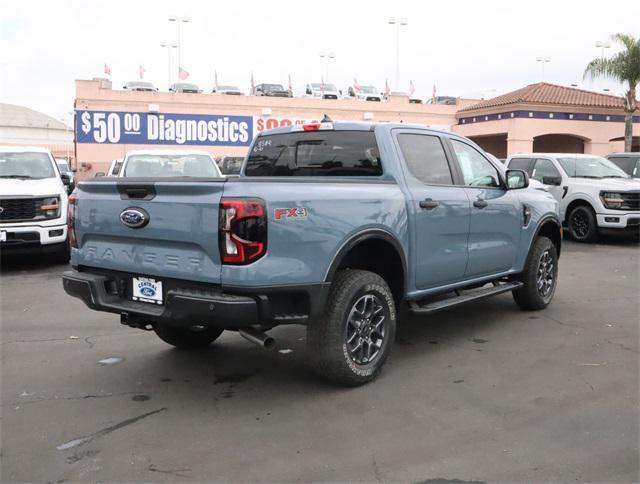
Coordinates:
<point>295,213</point>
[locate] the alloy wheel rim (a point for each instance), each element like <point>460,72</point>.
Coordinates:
<point>366,329</point>
<point>580,225</point>
<point>545,278</point>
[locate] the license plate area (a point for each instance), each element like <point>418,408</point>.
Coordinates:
<point>146,290</point>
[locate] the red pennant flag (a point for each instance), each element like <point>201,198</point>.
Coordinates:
<point>433,94</point>
<point>356,86</point>
<point>253,85</point>
<point>107,69</point>
<point>290,84</point>
<point>216,79</point>
<point>412,89</point>
<point>182,74</point>
<point>387,89</point>
<point>141,72</point>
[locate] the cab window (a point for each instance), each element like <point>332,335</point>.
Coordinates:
<point>544,168</point>
<point>476,169</point>
<point>425,158</point>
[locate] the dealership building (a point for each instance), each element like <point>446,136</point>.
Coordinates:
<point>541,117</point>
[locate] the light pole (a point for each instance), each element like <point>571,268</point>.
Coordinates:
<point>543,60</point>
<point>602,46</point>
<point>398,23</point>
<point>326,56</point>
<point>179,21</point>
<point>168,46</point>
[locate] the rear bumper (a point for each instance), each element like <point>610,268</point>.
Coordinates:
<point>189,304</point>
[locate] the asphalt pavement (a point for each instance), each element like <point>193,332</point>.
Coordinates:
<point>482,393</point>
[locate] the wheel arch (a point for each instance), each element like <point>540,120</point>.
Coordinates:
<point>389,262</point>
<point>576,202</point>
<point>551,228</point>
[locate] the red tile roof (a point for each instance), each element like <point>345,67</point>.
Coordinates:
<point>545,93</point>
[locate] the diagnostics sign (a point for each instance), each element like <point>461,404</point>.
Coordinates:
<point>111,127</point>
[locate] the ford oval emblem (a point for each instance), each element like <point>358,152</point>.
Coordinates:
<point>134,217</point>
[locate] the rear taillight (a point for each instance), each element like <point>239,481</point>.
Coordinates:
<point>242,230</point>
<point>71,221</point>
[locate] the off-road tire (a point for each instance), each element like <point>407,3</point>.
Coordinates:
<point>529,296</point>
<point>327,340</point>
<point>185,338</point>
<point>586,215</point>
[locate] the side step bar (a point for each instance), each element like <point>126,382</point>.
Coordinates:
<point>464,297</point>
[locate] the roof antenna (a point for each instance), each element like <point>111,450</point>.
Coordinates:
<point>326,119</point>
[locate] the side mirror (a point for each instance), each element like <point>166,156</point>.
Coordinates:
<point>66,179</point>
<point>517,179</point>
<point>551,180</point>
<point>99,174</point>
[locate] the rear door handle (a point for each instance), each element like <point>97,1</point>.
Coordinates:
<point>480,203</point>
<point>429,204</point>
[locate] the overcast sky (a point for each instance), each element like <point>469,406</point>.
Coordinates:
<point>466,48</point>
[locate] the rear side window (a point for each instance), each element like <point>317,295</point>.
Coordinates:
<point>520,164</point>
<point>315,153</point>
<point>425,158</point>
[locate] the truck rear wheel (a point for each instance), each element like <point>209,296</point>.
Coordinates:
<point>351,341</point>
<point>185,338</point>
<point>539,277</point>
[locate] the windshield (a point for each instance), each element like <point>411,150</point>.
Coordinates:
<point>26,165</point>
<point>630,165</point>
<point>201,166</point>
<point>590,167</point>
<point>63,165</point>
<point>146,85</point>
<point>191,87</point>
<point>323,87</point>
<point>368,90</point>
<point>272,87</point>
<point>228,88</point>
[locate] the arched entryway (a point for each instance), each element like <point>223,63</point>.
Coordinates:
<point>496,144</point>
<point>558,143</point>
<point>635,143</point>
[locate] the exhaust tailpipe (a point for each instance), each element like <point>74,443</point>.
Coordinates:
<point>258,337</point>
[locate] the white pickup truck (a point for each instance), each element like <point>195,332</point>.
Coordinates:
<point>594,194</point>
<point>33,202</point>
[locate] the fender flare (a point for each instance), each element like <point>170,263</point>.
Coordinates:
<point>541,223</point>
<point>368,234</point>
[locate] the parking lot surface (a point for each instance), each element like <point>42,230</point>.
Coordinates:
<point>482,393</point>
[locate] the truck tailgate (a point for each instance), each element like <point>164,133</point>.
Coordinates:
<point>179,240</point>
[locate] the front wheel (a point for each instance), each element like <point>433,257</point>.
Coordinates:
<point>539,277</point>
<point>185,338</point>
<point>351,341</point>
<point>583,225</point>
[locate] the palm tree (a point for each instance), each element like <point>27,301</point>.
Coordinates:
<point>625,68</point>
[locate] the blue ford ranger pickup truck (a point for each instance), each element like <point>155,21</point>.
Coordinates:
<point>330,225</point>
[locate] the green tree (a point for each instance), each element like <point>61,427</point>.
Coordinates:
<point>623,67</point>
